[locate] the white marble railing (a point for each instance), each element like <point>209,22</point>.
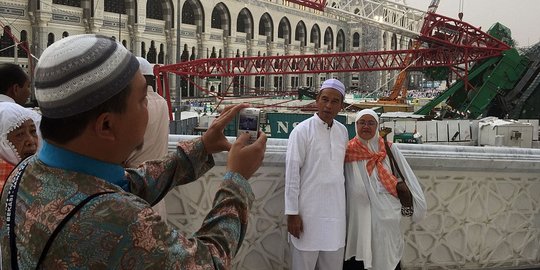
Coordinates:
<point>483,208</point>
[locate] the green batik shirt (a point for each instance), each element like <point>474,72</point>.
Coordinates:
<point>119,230</point>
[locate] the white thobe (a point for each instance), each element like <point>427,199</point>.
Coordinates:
<point>373,214</point>
<point>315,183</point>
<point>156,139</point>
<point>6,98</point>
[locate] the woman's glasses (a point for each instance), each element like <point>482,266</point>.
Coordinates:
<point>369,123</point>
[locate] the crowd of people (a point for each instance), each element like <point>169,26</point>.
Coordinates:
<point>83,179</point>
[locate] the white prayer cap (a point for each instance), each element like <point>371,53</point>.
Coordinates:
<point>145,66</point>
<point>334,84</point>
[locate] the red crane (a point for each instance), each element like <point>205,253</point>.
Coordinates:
<point>314,4</point>
<point>451,43</point>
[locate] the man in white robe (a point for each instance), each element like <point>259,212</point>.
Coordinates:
<point>315,184</point>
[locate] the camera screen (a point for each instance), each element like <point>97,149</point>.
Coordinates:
<point>248,122</point>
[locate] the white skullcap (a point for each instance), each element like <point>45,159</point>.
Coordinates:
<point>145,66</point>
<point>334,84</point>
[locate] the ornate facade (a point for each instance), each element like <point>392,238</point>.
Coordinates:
<point>153,29</point>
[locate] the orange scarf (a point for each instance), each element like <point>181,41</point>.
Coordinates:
<point>5,170</point>
<point>356,150</point>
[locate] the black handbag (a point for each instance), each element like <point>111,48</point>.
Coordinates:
<point>403,191</point>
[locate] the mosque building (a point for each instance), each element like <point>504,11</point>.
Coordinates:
<point>167,32</point>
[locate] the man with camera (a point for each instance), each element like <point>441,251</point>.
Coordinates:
<point>73,205</point>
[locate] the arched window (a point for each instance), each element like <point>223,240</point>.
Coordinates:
<point>244,23</point>
<point>24,39</point>
<point>266,27</point>
<point>300,33</point>
<point>50,39</point>
<point>329,38</point>
<point>356,40</point>
<point>340,41</point>
<point>193,13</point>
<point>115,6</point>
<point>71,3</point>
<point>393,42</point>
<point>315,36</point>
<point>154,9</point>
<point>161,55</point>
<point>221,19</point>
<point>152,52</point>
<point>216,19</point>
<point>143,50</point>
<point>284,30</point>
<point>5,43</point>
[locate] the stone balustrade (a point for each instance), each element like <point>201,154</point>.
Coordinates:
<point>483,208</point>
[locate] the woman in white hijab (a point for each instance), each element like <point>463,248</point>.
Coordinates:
<point>18,137</point>
<point>373,208</point>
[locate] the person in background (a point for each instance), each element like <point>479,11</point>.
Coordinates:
<point>156,136</point>
<point>14,85</point>
<point>374,238</point>
<point>18,137</point>
<point>314,184</point>
<point>15,88</point>
<point>74,206</point>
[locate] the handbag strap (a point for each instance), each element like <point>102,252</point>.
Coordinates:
<point>10,212</point>
<point>393,163</point>
<point>64,222</point>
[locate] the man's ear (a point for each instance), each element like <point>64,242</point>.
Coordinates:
<point>104,126</point>
<point>13,90</point>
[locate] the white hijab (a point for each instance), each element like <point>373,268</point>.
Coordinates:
<point>12,116</point>
<point>373,143</point>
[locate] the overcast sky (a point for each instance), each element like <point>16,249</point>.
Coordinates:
<point>521,16</point>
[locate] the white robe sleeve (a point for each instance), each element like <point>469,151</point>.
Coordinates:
<point>419,201</point>
<point>296,152</point>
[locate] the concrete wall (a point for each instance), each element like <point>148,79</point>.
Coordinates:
<point>483,208</point>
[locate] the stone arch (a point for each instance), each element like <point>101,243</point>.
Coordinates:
<point>384,41</point>
<point>393,42</point>
<point>315,36</point>
<point>266,27</point>
<point>6,43</point>
<point>50,39</point>
<point>329,38</point>
<point>128,7</point>
<point>340,41</point>
<point>221,18</point>
<point>193,13</point>
<point>356,40</point>
<point>244,23</point>
<point>160,10</point>
<point>284,30</point>
<point>300,33</point>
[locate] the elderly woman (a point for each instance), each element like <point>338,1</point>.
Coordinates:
<point>374,239</point>
<point>18,137</point>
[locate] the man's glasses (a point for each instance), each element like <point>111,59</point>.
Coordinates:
<point>369,123</point>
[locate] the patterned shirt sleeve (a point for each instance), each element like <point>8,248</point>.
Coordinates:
<point>153,179</point>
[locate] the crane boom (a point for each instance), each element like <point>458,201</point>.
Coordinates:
<point>398,94</point>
